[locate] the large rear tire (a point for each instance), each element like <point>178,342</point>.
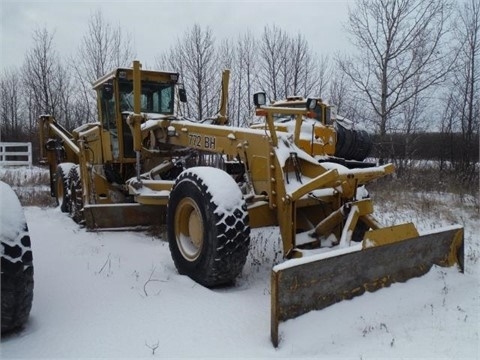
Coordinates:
<point>62,185</point>
<point>208,234</point>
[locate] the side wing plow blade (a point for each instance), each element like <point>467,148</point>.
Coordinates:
<point>317,281</point>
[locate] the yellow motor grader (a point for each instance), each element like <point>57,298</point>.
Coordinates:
<point>143,164</point>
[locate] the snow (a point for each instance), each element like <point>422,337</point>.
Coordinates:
<point>118,295</point>
<point>12,219</point>
<point>321,256</point>
<point>225,193</point>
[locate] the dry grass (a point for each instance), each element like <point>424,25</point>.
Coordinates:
<point>427,189</point>
<point>31,184</point>
<point>25,176</point>
<point>430,203</point>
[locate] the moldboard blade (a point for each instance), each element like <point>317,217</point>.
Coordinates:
<point>318,281</point>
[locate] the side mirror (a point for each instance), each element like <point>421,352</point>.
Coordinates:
<point>259,99</point>
<point>107,92</point>
<point>182,94</point>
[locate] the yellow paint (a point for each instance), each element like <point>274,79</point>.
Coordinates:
<point>389,235</point>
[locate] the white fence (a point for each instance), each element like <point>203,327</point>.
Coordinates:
<point>15,153</point>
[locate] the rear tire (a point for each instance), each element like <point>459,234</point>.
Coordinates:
<point>62,186</point>
<point>208,240</point>
<point>76,195</point>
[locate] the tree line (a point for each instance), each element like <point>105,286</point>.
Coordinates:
<point>413,68</point>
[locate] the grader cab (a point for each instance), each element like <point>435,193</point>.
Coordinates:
<point>144,164</point>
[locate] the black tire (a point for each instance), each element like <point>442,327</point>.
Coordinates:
<point>364,145</point>
<point>75,195</point>
<point>208,243</point>
<point>17,274</point>
<point>62,186</point>
<point>352,144</point>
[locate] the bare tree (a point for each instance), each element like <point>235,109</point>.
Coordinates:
<point>288,67</point>
<point>272,60</point>
<point>195,58</point>
<point>318,75</point>
<point>10,105</point>
<point>338,90</point>
<point>40,72</point>
<point>67,98</point>
<point>401,52</point>
<point>447,129</point>
<point>201,71</point>
<point>103,48</point>
<point>242,62</point>
<point>247,57</point>
<point>309,73</point>
<point>412,119</point>
<point>464,88</point>
<point>46,82</point>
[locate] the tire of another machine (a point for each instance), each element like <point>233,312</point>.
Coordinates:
<point>62,185</point>
<point>75,195</point>
<point>17,289</point>
<point>17,276</point>
<point>208,242</point>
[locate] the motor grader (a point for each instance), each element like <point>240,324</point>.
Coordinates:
<point>143,164</point>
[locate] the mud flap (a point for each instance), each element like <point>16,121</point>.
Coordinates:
<point>315,282</point>
<point>121,216</point>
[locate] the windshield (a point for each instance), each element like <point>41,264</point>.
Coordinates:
<point>156,98</point>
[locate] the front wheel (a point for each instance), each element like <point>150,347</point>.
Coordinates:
<point>208,230</point>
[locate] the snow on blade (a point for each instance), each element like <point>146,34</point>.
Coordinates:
<point>308,259</point>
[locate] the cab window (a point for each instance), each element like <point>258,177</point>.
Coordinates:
<point>155,98</point>
<point>107,107</point>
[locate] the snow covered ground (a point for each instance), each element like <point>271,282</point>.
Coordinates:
<point>118,295</point>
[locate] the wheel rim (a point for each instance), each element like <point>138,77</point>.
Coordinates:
<point>189,229</point>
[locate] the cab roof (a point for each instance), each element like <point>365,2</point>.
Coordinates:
<point>147,75</point>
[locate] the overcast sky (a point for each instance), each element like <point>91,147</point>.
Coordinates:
<point>156,25</point>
